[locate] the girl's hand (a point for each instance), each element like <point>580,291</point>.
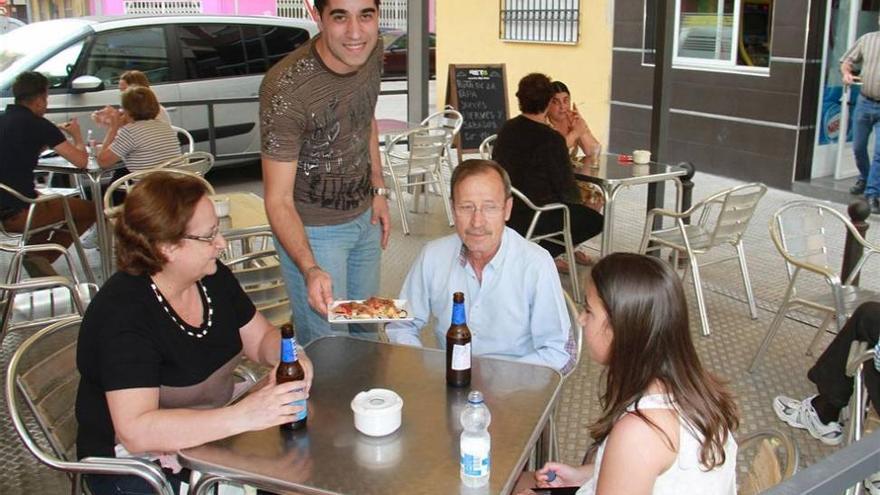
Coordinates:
<point>558,474</point>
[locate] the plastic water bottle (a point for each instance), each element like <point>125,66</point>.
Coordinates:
<point>476,443</point>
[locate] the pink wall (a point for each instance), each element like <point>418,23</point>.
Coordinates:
<point>245,7</point>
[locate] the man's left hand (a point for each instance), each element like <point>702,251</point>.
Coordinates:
<point>380,214</point>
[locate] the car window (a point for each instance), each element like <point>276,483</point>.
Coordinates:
<point>282,40</point>
<point>141,49</point>
<point>213,51</point>
<point>59,67</point>
<point>399,43</point>
<point>254,53</point>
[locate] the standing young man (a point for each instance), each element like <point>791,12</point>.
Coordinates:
<point>322,175</point>
<point>866,51</point>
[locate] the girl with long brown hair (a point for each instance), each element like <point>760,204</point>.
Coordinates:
<point>667,423</point>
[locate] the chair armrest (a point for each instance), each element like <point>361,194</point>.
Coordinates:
<point>24,199</point>
<point>130,466</point>
<point>31,248</point>
<point>250,257</point>
<point>859,353</point>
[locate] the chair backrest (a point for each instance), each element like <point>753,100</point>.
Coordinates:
<point>197,162</point>
<point>737,206</point>
<point>486,147</point>
<point>448,118</point>
<point>799,230</point>
<point>426,150</point>
<point>128,180</point>
<point>188,142</point>
<point>768,457</point>
<point>575,345</point>
<point>43,373</point>
<point>259,274</point>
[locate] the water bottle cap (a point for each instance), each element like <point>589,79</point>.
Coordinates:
<point>475,397</point>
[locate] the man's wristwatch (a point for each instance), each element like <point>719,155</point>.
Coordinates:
<point>380,191</point>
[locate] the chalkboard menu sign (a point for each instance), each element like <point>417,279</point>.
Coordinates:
<point>479,92</point>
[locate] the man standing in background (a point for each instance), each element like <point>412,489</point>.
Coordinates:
<point>866,51</point>
<point>322,175</point>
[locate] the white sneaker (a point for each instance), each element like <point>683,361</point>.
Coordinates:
<point>800,414</point>
<point>872,484</point>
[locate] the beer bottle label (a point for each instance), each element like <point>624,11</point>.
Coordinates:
<point>288,350</point>
<point>461,357</point>
<point>305,407</point>
<point>458,314</point>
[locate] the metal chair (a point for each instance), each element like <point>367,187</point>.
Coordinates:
<point>420,166</point>
<point>190,142</point>
<point>43,373</point>
<point>19,240</point>
<point>553,237</point>
<point>486,147</point>
<point>735,208</point>
<point>451,120</point>
<point>768,457</point>
<point>798,230</point>
<point>575,347</point>
<point>860,355</point>
<point>40,301</point>
<point>197,162</point>
<point>259,273</point>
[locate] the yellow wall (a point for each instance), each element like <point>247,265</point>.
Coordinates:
<point>467,33</point>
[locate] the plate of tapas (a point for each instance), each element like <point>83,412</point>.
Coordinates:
<point>372,310</point>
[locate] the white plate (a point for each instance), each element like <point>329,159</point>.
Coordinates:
<point>400,303</point>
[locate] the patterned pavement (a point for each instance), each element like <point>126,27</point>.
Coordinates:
<point>735,336</point>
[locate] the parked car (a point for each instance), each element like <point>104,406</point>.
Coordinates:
<point>395,42</point>
<point>9,23</point>
<point>185,57</point>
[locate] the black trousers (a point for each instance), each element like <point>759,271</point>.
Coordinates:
<point>586,223</point>
<point>829,372</point>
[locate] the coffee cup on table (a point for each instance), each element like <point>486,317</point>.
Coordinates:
<point>641,156</point>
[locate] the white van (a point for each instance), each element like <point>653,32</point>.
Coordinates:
<point>185,57</point>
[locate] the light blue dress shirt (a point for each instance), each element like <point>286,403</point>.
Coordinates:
<point>517,313</point>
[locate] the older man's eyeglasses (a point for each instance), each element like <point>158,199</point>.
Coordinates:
<point>205,238</point>
<point>469,209</point>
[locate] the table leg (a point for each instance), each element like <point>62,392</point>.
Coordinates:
<point>607,221</point>
<point>101,226</point>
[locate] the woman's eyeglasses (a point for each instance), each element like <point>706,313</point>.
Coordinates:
<point>205,238</point>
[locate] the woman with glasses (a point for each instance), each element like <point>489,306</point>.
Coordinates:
<point>159,343</point>
<point>536,158</point>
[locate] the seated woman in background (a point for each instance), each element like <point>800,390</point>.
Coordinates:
<point>137,78</point>
<point>159,343</point>
<point>667,424</point>
<point>137,137</point>
<point>563,116</point>
<point>536,158</point>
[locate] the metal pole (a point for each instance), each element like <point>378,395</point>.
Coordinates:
<point>661,98</point>
<point>417,62</point>
<point>858,212</point>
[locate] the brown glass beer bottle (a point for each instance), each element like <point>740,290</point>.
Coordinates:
<point>290,370</point>
<point>458,346</point>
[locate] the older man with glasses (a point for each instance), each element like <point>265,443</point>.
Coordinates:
<point>514,301</point>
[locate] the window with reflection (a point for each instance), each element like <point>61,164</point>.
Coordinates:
<point>722,34</point>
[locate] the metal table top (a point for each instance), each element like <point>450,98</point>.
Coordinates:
<point>610,172</point>
<point>247,214</point>
<point>421,457</point>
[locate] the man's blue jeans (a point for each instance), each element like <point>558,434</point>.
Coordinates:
<point>866,119</point>
<point>351,254</point>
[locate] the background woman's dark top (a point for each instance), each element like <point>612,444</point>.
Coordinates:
<point>536,158</point>
<point>127,340</point>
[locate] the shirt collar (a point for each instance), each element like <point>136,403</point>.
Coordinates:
<point>496,260</point>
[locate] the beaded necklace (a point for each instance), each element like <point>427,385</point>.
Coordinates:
<point>206,325</point>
